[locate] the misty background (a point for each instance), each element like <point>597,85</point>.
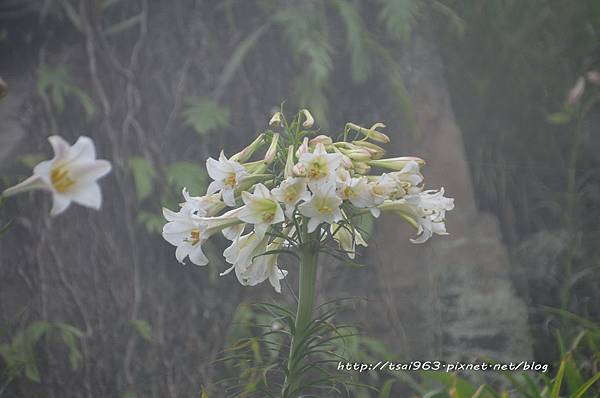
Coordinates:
<point>479,89</point>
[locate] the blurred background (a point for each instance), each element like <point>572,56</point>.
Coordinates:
<point>498,96</point>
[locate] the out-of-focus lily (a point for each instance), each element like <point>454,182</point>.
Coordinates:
<point>320,165</point>
<point>70,175</point>
<point>263,267</point>
<point>291,191</point>
<point>261,209</point>
<point>227,175</point>
<point>323,206</point>
<point>576,91</point>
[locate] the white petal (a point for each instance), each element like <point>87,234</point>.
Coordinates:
<point>59,204</point>
<point>87,172</point>
<point>214,186</point>
<point>59,146</point>
<point>182,252</point>
<point>228,197</point>
<point>260,230</point>
<point>82,150</point>
<point>197,256</point>
<point>216,169</point>
<point>88,195</point>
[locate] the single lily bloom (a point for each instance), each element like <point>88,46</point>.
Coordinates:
<point>186,232</point>
<point>291,191</point>
<point>323,206</point>
<point>355,189</point>
<point>408,179</point>
<point>227,175</point>
<point>263,267</point>
<point>320,166</point>
<point>242,250</point>
<point>208,205</point>
<point>346,239</point>
<point>70,175</point>
<point>261,209</point>
<point>381,189</point>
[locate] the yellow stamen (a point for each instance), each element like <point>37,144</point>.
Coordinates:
<point>230,180</point>
<point>324,209</point>
<point>60,180</point>
<point>194,237</point>
<point>267,217</point>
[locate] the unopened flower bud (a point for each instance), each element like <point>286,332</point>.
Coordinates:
<point>375,150</point>
<point>247,152</point>
<point>303,148</point>
<point>308,123</point>
<point>299,170</point>
<point>359,154</point>
<point>346,162</point>
<point>322,139</point>
<point>275,120</point>
<point>289,163</point>
<point>371,133</point>
<point>396,164</point>
<point>272,151</point>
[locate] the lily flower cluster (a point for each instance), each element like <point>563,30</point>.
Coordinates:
<point>305,185</point>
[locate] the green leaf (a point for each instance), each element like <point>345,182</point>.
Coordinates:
<point>398,17</point>
<point>205,115</point>
<point>559,118</point>
<point>187,175</point>
<point>143,328</point>
<point>152,221</point>
<point>586,386</point>
<point>556,384</point>
<point>143,176</point>
<point>359,58</point>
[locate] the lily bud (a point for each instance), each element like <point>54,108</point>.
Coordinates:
<point>396,164</point>
<point>375,150</point>
<point>303,148</point>
<point>361,167</point>
<point>289,163</point>
<point>322,139</point>
<point>346,162</point>
<point>299,170</point>
<point>272,151</point>
<point>359,154</point>
<point>275,120</point>
<point>308,123</point>
<point>247,152</point>
<point>371,133</point>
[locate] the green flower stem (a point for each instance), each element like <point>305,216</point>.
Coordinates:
<point>306,299</point>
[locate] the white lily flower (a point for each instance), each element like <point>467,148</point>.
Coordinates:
<point>207,205</point>
<point>261,209</point>
<point>263,268</point>
<point>347,242</point>
<point>381,189</point>
<point>291,191</point>
<point>320,166</point>
<point>425,210</point>
<point>185,231</point>
<point>408,179</point>
<point>70,175</point>
<point>227,175</point>
<point>323,206</point>
<point>354,189</point>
